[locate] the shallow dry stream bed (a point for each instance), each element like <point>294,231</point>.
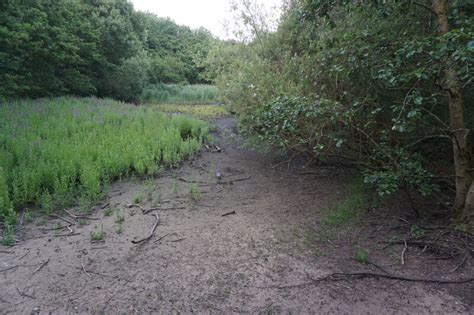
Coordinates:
<point>199,260</point>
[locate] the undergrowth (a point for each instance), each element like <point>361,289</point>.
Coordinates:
<point>55,150</point>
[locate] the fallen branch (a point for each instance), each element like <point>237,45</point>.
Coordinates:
<point>403,253</point>
<point>25,295</point>
<point>162,238</point>
<point>178,240</point>
<point>79,216</point>
<point>463,261</point>
<point>196,182</point>
<point>228,213</point>
<point>23,256</point>
<point>9,268</point>
<point>151,233</point>
<point>161,209</point>
<point>55,228</point>
<point>61,235</point>
<point>41,267</point>
<point>62,219</point>
<point>341,276</point>
<point>84,269</point>
<point>93,272</point>
<point>233,180</point>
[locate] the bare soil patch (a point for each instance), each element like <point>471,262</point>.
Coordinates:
<point>234,235</point>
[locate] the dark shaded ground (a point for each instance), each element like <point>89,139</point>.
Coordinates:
<point>205,262</point>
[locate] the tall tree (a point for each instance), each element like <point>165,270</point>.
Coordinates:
<point>461,148</point>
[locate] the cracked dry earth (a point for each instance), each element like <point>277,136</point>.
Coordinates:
<point>199,260</point>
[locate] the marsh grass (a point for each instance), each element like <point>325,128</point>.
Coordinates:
<point>201,111</point>
<point>180,94</point>
<point>55,150</point>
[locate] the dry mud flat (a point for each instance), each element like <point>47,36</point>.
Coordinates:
<point>239,245</point>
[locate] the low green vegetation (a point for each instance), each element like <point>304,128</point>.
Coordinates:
<point>361,255</point>
<point>417,232</point>
<point>8,235</point>
<point>180,94</point>
<point>54,150</point>
<point>119,220</point>
<point>339,217</point>
<point>109,211</point>
<point>98,235</point>
<point>354,205</point>
<point>194,191</point>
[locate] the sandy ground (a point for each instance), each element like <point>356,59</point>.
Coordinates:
<point>251,261</point>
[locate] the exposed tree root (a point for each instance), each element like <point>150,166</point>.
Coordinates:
<point>342,276</point>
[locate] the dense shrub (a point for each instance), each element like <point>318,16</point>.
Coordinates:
<point>358,81</point>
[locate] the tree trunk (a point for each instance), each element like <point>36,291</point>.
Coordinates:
<point>451,85</point>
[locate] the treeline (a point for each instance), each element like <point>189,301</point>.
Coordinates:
<point>386,86</point>
<point>93,47</point>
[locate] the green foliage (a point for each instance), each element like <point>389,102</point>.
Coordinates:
<point>102,48</point>
<point>357,82</point>
<point>59,147</point>
<point>8,231</point>
<point>180,94</point>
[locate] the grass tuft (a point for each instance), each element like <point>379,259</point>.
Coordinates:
<point>97,235</point>
<point>351,207</point>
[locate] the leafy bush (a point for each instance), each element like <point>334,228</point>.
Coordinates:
<point>356,81</point>
<point>54,149</point>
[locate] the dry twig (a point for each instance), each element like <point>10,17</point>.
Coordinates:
<point>151,233</point>
<point>228,213</point>
<point>146,211</point>
<point>62,219</point>
<point>25,295</point>
<point>41,267</point>
<point>403,253</point>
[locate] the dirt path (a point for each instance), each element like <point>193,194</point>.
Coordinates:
<point>199,260</point>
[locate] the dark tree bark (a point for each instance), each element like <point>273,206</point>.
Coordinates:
<point>461,149</point>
